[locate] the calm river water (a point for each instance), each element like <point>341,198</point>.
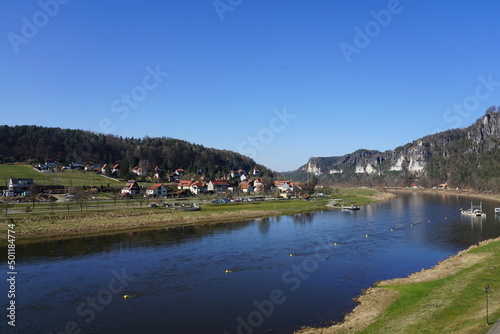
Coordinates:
<point>283,272</point>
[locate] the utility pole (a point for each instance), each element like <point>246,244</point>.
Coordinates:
<point>486,290</point>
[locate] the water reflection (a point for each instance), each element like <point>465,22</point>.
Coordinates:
<point>200,279</point>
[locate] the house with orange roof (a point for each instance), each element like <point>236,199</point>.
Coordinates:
<point>184,185</point>
<point>198,187</point>
<point>158,172</point>
<point>157,190</point>
<point>246,186</point>
<point>282,185</point>
<point>218,186</point>
<point>258,186</point>
<point>131,188</point>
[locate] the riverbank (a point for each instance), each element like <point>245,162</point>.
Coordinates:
<point>64,226</point>
<point>447,298</point>
<point>459,192</point>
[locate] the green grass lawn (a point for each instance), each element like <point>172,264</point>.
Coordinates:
<point>454,304</point>
<point>65,178</point>
<point>356,195</point>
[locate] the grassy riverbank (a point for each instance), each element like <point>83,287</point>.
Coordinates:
<point>30,228</point>
<point>448,298</point>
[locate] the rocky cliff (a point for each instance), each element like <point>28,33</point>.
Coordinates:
<point>464,157</point>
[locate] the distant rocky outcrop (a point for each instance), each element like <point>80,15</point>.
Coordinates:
<point>467,157</point>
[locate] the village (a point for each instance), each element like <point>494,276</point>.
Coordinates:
<point>154,183</point>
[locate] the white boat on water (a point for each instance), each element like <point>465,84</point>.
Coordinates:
<point>476,211</point>
<point>350,207</point>
<point>497,211</point>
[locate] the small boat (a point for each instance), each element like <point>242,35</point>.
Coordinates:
<point>476,211</point>
<point>497,211</point>
<point>193,207</point>
<point>350,207</point>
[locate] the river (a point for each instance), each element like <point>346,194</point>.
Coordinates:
<point>262,276</point>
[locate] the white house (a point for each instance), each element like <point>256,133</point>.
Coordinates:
<point>258,186</point>
<point>115,169</point>
<point>198,187</point>
<point>184,185</point>
<point>283,186</point>
<point>218,186</point>
<point>139,171</point>
<point>20,185</point>
<point>131,188</point>
<point>247,187</point>
<point>157,190</point>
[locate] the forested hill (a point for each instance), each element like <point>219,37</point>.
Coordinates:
<point>466,158</point>
<point>29,143</point>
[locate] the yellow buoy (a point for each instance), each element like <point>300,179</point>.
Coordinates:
<point>228,271</point>
<point>291,254</point>
<point>366,236</point>
<point>335,244</point>
<point>392,229</point>
<point>126,296</point>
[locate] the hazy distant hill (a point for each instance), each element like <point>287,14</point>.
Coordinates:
<point>468,157</point>
<point>36,143</point>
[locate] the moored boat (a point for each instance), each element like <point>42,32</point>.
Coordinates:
<point>193,207</point>
<point>476,211</point>
<point>350,207</point>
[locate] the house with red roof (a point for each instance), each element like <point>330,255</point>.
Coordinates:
<point>131,188</point>
<point>158,172</point>
<point>198,187</point>
<point>246,186</point>
<point>157,190</point>
<point>139,171</point>
<point>282,185</point>
<point>218,186</point>
<point>184,185</point>
<point>258,186</point>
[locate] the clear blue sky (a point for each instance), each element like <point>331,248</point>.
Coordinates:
<point>341,75</point>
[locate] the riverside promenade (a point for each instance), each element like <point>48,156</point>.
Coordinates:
<point>496,328</point>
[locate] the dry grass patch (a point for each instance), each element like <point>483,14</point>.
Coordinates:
<point>371,304</point>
